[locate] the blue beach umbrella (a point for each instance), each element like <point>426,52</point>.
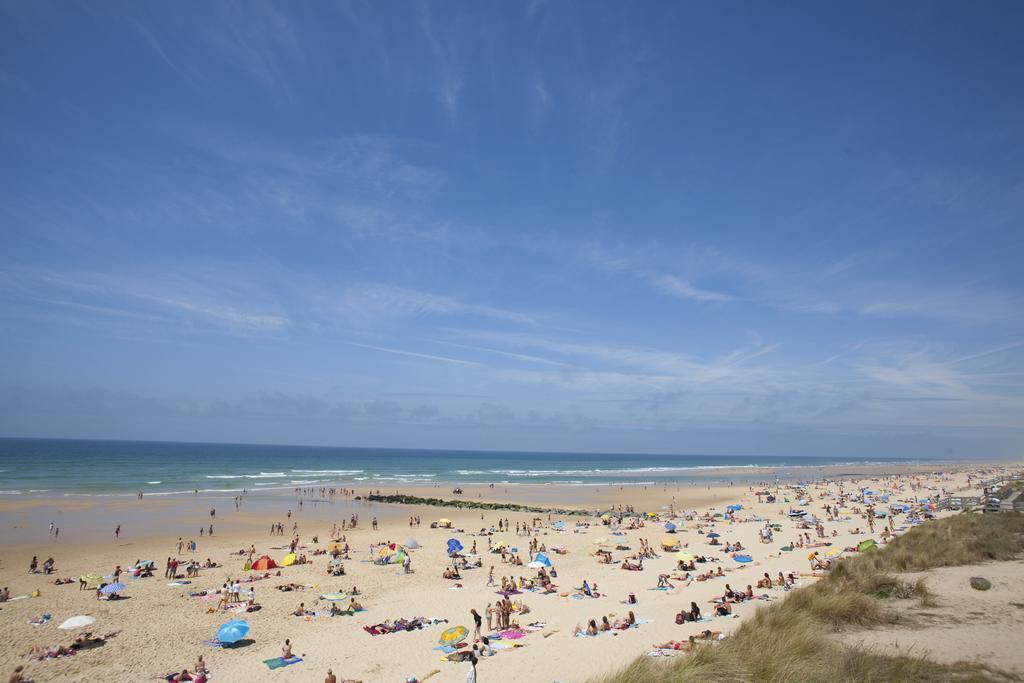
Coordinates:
<point>743,558</point>
<point>454,545</point>
<point>232,631</point>
<point>113,588</point>
<point>734,508</point>
<point>559,524</point>
<point>714,534</point>
<point>670,527</point>
<point>543,559</point>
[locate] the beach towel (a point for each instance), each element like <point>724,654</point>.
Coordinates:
<point>278,662</point>
<point>213,643</point>
<point>661,588</point>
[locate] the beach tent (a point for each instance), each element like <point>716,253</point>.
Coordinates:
<point>454,545</point>
<point>232,631</point>
<point>869,544</point>
<point>412,543</point>
<point>288,560</point>
<point>543,559</point>
<point>264,563</point>
<point>445,522</point>
<point>669,542</point>
<point>670,527</point>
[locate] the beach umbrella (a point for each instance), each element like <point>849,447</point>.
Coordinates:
<point>454,545</point>
<point>455,634</point>
<point>558,525</point>
<point>78,622</point>
<point>734,508</point>
<point>334,546</point>
<point>714,534</point>
<point>684,556</point>
<point>670,527</point>
<point>288,560</point>
<point>113,588</point>
<point>264,563</point>
<point>444,522</point>
<point>668,542</point>
<point>232,631</point>
<point>743,559</point>
<point>334,597</point>
<point>605,517</point>
<point>412,543</point>
<point>91,579</point>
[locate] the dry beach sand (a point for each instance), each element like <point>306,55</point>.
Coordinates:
<point>161,629</point>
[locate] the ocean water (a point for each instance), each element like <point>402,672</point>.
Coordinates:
<point>52,467</point>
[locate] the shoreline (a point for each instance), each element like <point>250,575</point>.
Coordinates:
<point>716,474</point>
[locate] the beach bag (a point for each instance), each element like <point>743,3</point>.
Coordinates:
<point>679,618</point>
<point>631,599</point>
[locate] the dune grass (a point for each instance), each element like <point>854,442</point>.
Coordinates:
<point>792,640</point>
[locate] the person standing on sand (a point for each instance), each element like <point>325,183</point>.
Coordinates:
<point>331,678</point>
<point>117,532</point>
<point>477,622</point>
<point>471,674</point>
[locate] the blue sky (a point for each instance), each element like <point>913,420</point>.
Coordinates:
<point>650,227</point>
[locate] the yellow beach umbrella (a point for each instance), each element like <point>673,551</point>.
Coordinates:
<point>669,542</point>
<point>684,556</point>
<point>288,560</point>
<point>444,522</point>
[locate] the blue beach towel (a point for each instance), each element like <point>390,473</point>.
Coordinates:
<point>278,662</point>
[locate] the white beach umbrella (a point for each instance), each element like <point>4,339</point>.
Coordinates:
<point>78,622</point>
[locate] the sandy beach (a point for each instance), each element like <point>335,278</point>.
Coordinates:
<point>161,628</point>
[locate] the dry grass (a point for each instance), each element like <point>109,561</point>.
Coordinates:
<point>790,641</point>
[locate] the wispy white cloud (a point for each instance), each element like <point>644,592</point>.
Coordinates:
<point>416,354</point>
<point>385,299</point>
<point>681,289</point>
